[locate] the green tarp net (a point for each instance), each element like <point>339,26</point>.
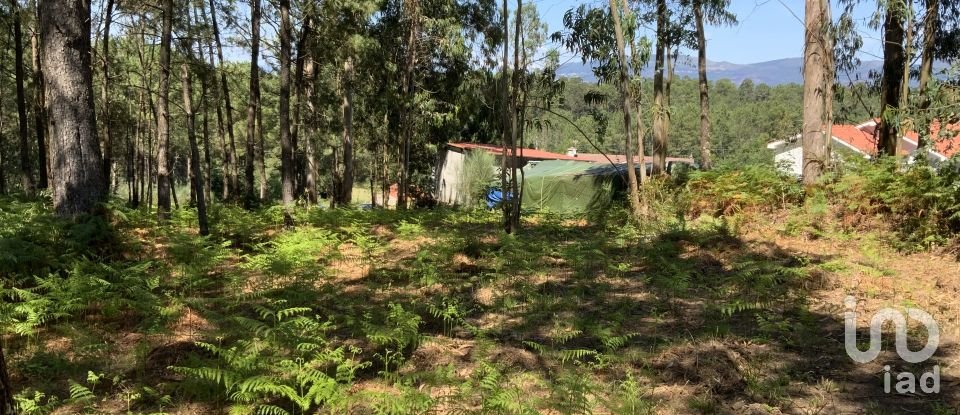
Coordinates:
<point>571,186</point>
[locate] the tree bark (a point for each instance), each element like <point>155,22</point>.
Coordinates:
<point>891,88</point>
<point>931,23</point>
<point>505,102</point>
<point>817,91</point>
<point>197,175</point>
<point>659,104</point>
<point>231,168</point>
<point>253,103</point>
<point>706,160</point>
<point>627,108</point>
<point>345,196</point>
<point>3,144</point>
<point>303,53</point>
<point>163,116</point>
<point>311,175</point>
<point>287,169</point>
<point>26,167</point>
<point>413,15</point>
<point>39,110</point>
<point>637,100</point>
<point>65,54</point>
<point>6,388</point>
<point>105,94</point>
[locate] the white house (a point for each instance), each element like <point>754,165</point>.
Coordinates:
<point>861,140</point>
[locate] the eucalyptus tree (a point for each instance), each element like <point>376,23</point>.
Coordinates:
<point>891,83</point>
<point>65,54</point>
<point>714,12</point>
<point>590,34</point>
<point>818,75</point>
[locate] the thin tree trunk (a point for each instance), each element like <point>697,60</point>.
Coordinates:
<point>626,105</point>
<point>39,111</point>
<point>311,174</point>
<point>345,196</point>
<point>261,150</point>
<point>413,14</point>
<point>817,91</point>
<point>287,169</point>
<point>891,82</point>
<point>706,160</point>
<point>65,54</point>
<point>515,126</point>
<point>931,23</point>
<point>26,167</point>
<point>253,103</point>
<point>3,145</point>
<point>638,102</point>
<point>207,161</point>
<point>232,168</point>
<point>105,95</point>
<point>197,176</point>
<point>659,100</point>
<point>163,116</point>
<point>505,102</point>
<point>6,388</point>
<point>303,53</point>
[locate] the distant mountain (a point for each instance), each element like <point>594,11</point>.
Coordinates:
<point>775,72</point>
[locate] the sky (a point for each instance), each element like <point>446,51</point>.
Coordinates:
<point>767,29</point>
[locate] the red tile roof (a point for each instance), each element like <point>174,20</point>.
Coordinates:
<point>862,138</point>
<point>526,152</point>
<point>546,155</point>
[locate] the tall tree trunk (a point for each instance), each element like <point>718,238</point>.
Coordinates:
<point>311,175</point>
<point>287,169</point>
<point>207,161</point>
<point>261,150</point>
<point>39,110</point>
<point>231,169</point>
<point>413,15</point>
<point>626,103</point>
<point>931,23</point>
<point>163,116</point>
<point>105,93</point>
<point>635,49</point>
<point>6,388</point>
<point>890,84</point>
<point>706,161</point>
<point>197,175</point>
<point>303,53</point>
<point>253,103</point>
<point>3,145</point>
<point>659,100</point>
<point>65,54</point>
<point>345,196</point>
<point>26,167</point>
<point>515,126</point>
<point>505,102</point>
<point>817,90</point>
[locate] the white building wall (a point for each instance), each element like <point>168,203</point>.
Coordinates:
<point>791,160</point>
<point>448,177</point>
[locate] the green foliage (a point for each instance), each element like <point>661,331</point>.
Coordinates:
<point>725,192</point>
<point>476,177</point>
<point>288,360</point>
<point>922,204</point>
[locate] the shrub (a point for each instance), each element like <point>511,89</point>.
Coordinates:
<point>475,177</point>
<point>726,191</point>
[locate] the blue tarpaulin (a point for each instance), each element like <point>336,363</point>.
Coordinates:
<point>495,197</point>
